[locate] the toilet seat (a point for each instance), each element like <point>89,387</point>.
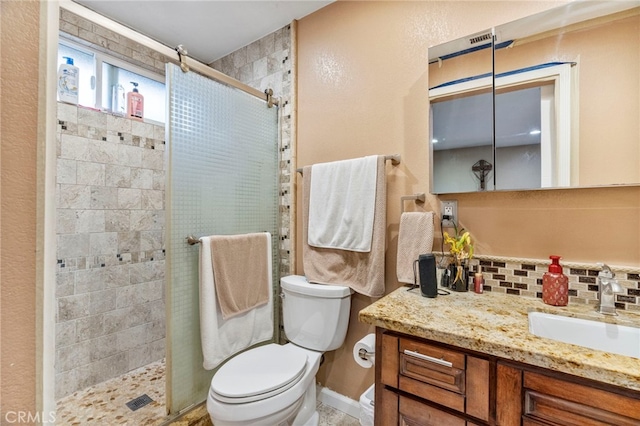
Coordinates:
<point>258,373</point>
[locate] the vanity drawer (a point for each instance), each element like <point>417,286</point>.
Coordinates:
<point>441,375</point>
<point>432,365</point>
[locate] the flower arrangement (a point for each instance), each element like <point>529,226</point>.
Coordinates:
<point>461,249</point>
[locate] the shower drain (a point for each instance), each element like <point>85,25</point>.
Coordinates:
<point>139,402</point>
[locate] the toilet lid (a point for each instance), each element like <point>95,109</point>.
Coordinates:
<point>259,371</point>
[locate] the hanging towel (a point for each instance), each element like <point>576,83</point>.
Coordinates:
<point>362,271</point>
<point>342,204</point>
<point>240,272</point>
<point>414,238</point>
<point>220,339</point>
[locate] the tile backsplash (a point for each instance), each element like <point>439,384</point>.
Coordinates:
<point>523,277</point>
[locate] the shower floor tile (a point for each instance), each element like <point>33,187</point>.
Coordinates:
<point>105,403</point>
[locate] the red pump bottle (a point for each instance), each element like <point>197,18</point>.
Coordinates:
<point>555,284</point>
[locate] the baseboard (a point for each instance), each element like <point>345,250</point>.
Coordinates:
<point>338,401</point>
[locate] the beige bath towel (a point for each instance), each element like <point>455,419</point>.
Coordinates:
<point>414,238</point>
<point>240,272</point>
<point>362,271</point>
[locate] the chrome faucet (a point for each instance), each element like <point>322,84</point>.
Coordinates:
<point>608,286</point>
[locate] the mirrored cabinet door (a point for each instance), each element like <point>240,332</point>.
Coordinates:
<point>461,99</point>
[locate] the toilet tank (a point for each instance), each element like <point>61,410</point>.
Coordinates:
<point>316,316</point>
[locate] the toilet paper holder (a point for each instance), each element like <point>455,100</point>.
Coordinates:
<point>365,354</point>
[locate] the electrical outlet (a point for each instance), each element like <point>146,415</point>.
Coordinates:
<point>450,209</point>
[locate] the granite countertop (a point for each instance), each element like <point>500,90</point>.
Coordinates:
<point>497,324</point>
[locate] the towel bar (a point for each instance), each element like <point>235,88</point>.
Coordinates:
<point>419,198</point>
<point>191,240</point>
<point>395,160</point>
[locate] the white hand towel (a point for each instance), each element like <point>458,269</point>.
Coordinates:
<point>415,237</point>
<point>220,339</point>
<point>342,204</point>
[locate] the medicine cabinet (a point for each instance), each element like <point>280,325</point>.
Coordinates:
<point>551,100</point>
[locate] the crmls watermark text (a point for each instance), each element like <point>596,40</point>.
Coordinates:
<point>27,417</point>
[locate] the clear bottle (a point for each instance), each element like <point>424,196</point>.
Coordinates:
<point>118,100</point>
<point>555,284</point>
<point>135,103</point>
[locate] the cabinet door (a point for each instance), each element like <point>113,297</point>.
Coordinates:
<point>414,413</point>
<point>387,358</point>
<point>508,395</point>
<point>478,372</point>
<point>551,400</point>
<point>386,408</point>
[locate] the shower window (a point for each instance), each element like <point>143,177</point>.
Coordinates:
<point>152,90</point>
<point>99,73</point>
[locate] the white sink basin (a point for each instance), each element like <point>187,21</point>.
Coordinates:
<point>614,338</point>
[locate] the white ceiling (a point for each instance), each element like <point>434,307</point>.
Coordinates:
<point>208,29</point>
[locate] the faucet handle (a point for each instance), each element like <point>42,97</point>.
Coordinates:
<point>606,271</point>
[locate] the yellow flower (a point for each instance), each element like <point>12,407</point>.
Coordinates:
<point>460,246</point>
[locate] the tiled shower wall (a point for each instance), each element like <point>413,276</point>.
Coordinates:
<point>266,64</point>
<point>110,315</point>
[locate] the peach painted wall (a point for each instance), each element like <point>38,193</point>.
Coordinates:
<point>19,30</point>
<point>363,89</point>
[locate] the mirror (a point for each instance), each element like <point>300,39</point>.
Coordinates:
<point>455,99</point>
<point>566,98</point>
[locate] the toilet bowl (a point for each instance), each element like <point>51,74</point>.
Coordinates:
<point>279,396</point>
<point>275,384</point>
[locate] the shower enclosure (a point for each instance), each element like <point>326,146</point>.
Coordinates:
<point>222,179</point>
<point>117,296</point>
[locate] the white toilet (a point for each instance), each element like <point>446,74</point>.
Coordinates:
<point>275,384</point>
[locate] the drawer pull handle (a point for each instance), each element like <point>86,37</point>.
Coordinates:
<point>428,358</point>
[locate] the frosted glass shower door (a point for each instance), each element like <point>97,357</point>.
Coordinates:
<point>222,150</point>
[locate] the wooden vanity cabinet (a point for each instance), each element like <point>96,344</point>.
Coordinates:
<point>424,383</point>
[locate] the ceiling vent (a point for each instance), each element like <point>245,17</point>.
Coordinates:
<point>479,38</point>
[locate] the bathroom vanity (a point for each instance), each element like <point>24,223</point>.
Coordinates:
<point>469,359</point>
